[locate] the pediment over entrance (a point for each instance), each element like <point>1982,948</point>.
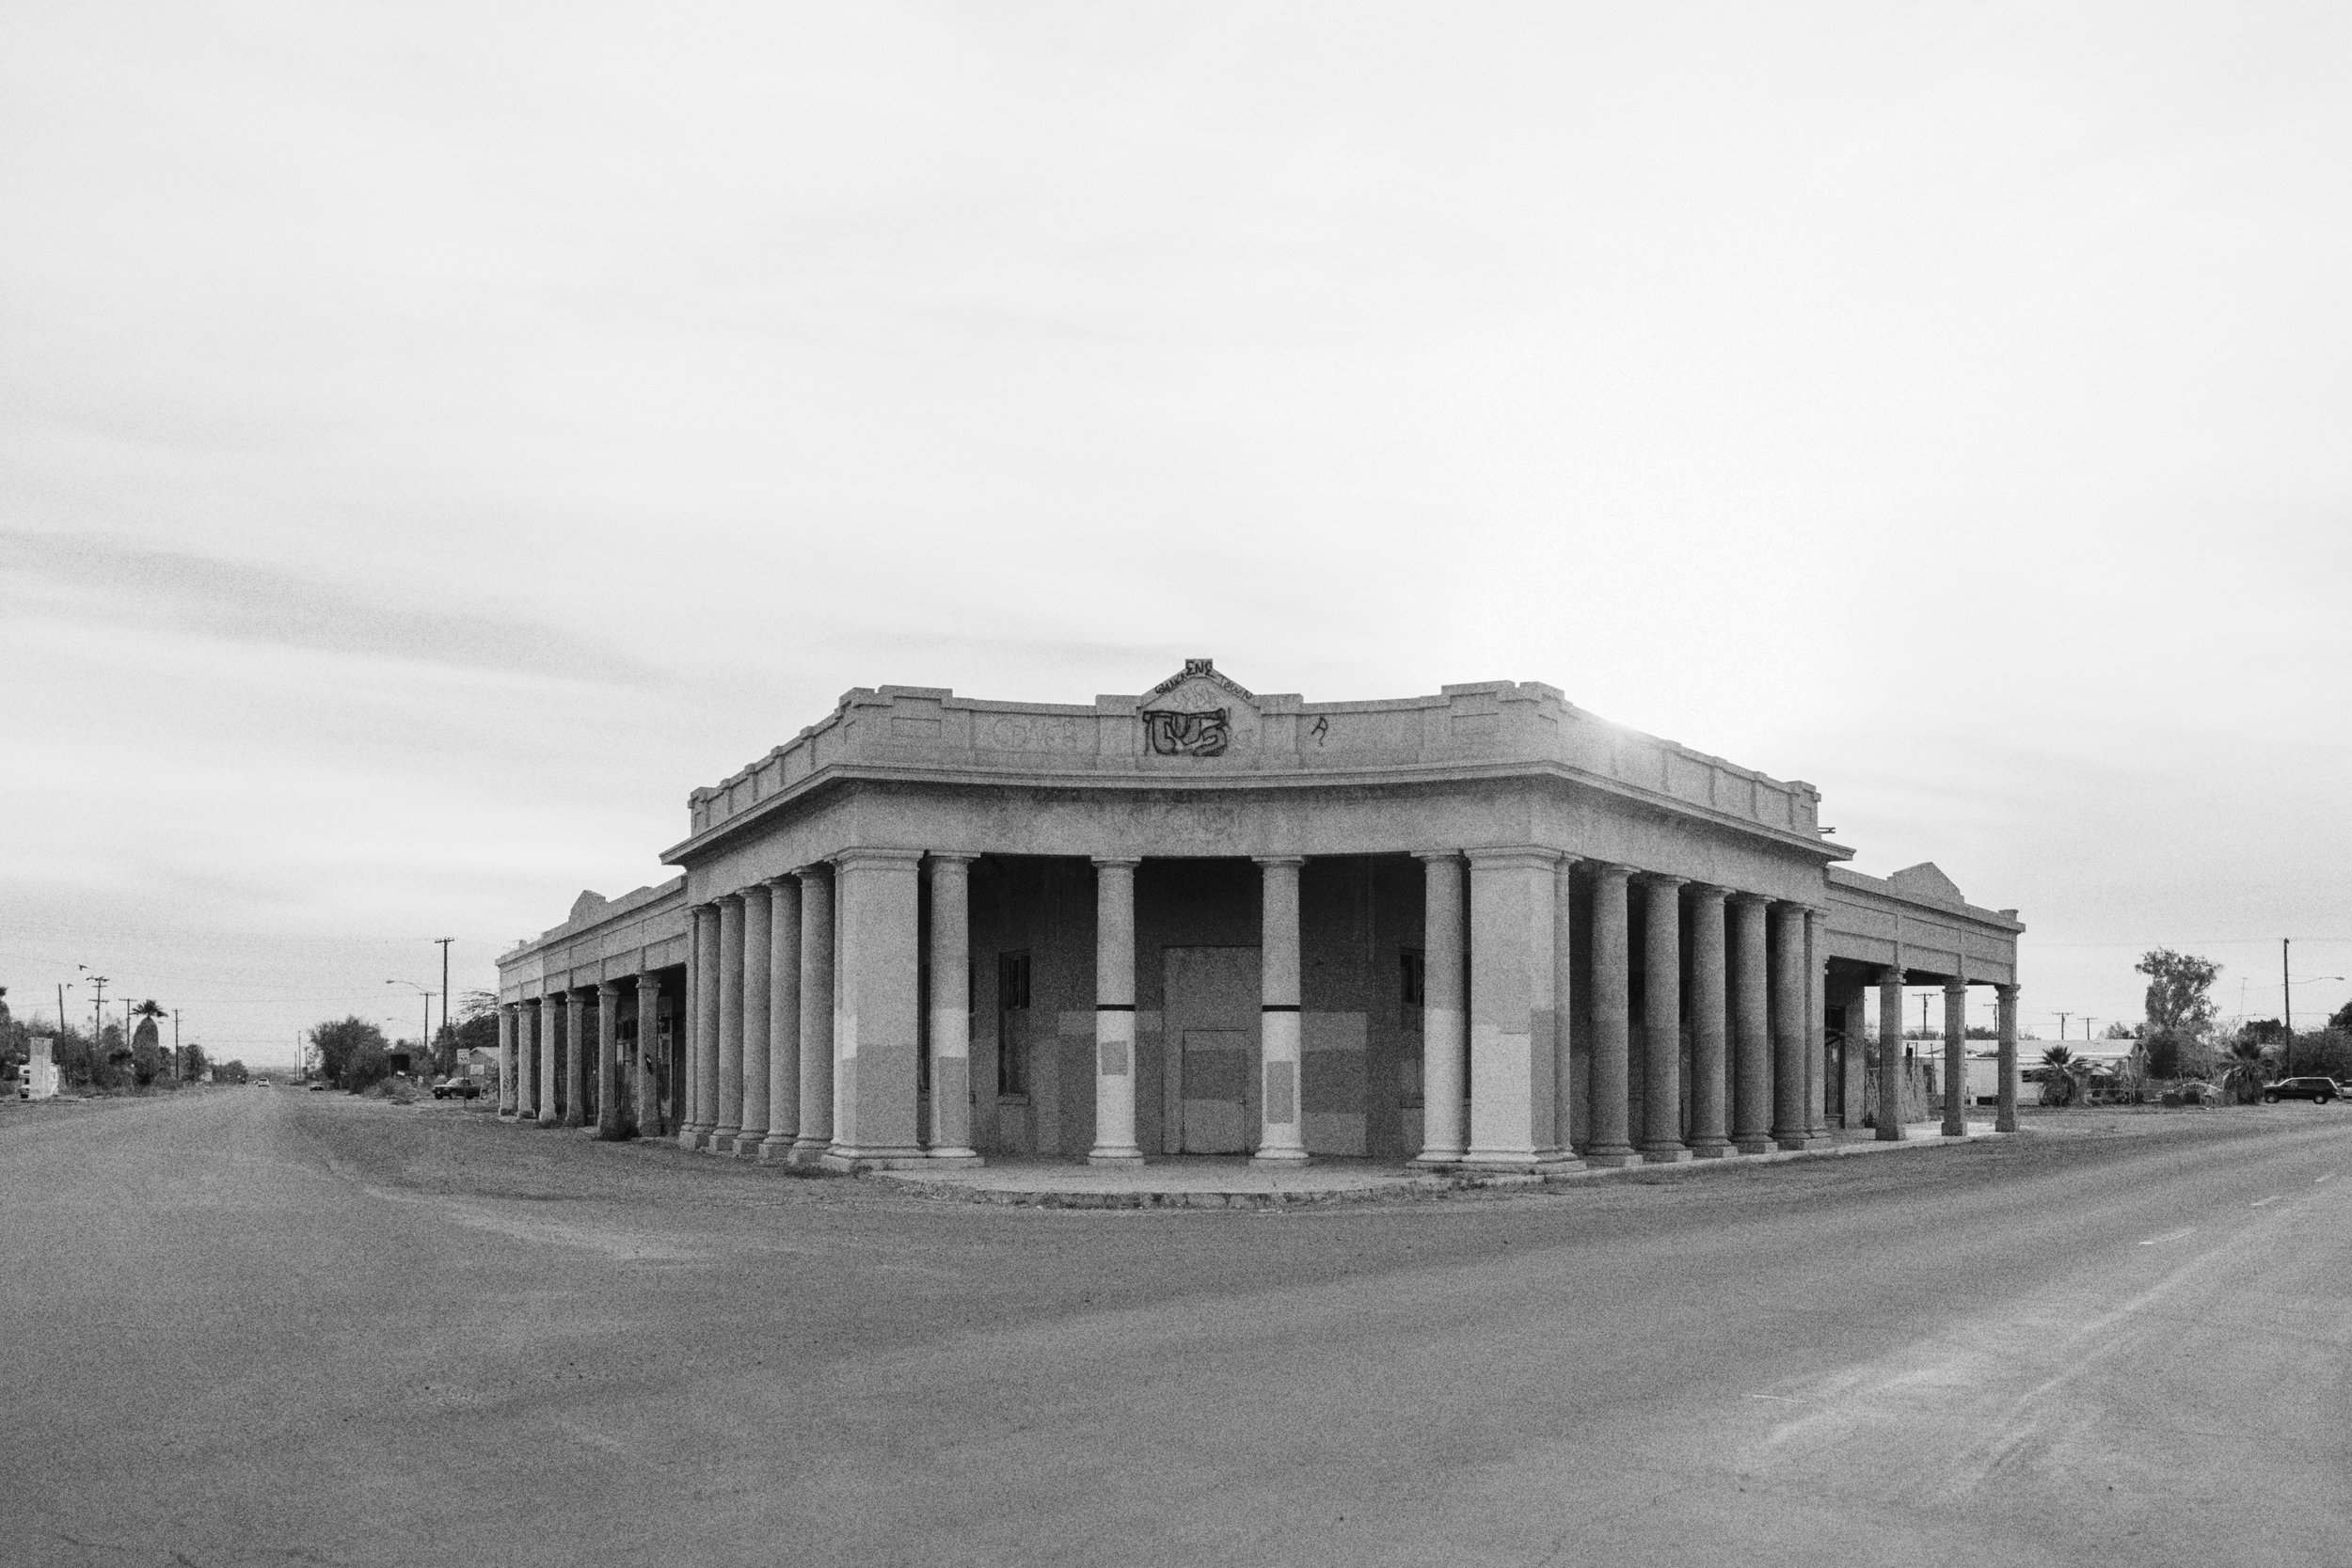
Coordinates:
<point>1198,712</point>
<point>1925,880</point>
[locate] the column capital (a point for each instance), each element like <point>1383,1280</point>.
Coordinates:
<point>2006,992</point>
<point>812,869</point>
<point>733,897</point>
<point>868,855</point>
<point>609,988</point>
<point>1956,986</point>
<point>954,857</point>
<point>1710,893</point>
<point>1520,856</point>
<point>777,880</point>
<point>1279,859</point>
<point>648,980</point>
<point>1436,854</point>
<point>1129,861</point>
<point>1748,900</point>
<point>1890,975</point>
<point>1611,870</point>
<point>1659,880</point>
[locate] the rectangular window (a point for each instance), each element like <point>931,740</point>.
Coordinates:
<point>1012,1023</point>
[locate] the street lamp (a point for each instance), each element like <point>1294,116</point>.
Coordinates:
<point>424,1040</point>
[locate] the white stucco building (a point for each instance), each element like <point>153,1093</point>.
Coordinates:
<point>1478,928</point>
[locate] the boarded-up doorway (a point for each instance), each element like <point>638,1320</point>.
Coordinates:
<point>1209,1004</point>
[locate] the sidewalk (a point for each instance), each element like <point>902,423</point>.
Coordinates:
<point>1231,1181</point>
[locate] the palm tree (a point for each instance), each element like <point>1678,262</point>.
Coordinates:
<point>2059,1068</point>
<point>2248,1071</point>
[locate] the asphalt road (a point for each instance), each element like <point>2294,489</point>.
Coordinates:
<point>258,1326</point>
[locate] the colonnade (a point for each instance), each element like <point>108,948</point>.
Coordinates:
<point>803,1042</point>
<point>627,1089</point>
<point>1888,1112</point>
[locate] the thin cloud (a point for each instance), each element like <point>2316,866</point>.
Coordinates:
<point>241,602</point>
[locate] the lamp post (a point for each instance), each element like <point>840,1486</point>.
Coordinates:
<point>424,1040</point>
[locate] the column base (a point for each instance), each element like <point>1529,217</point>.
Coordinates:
<point>1612,1156</point>
<point>1959,1132</point>
<point>851,1161</point>
<point>2005,1124</point>
<point>1713,1148</point>
<point>1802,1142</point>
<point>747,1145</point>
<point>1753,1143</point>
<point>964,1159</point>
<point>1291,1158</point>
<point>774,1151</point>
<point>721,1140</point>
<point>1435,1158</point>
<point>550,1121</point>
<point>1125,1159</point>
<point>691,1136</point>
<point>808,1153</point>
<point>1671,1154</point>
<point>1891,1133</point>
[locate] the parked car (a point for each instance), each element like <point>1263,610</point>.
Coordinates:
<point>2320,1089</point>
<point>456,1088</point>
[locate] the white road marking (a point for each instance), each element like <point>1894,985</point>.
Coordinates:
<point>2170,1236</point>
<point>2329,1176</point>
<point>2260,1202</point>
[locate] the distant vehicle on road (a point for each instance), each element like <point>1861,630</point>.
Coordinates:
<point>2321,1090</point>
<point>456,1088</point>
<point>318,1088</point>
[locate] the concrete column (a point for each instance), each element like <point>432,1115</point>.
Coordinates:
<point>1514,1094</point>
<point>728,1094</point>
<point>1709,1000</point>
<point>612,1118</point>
<point>876,1021</point>
<point>815,1134</point>
<point>1661,1022</point>
<point>1889,1111</point>
<point>527,1061</point>
<point>1564,998</point>
<point>1851,1094</point>
<point>758,956</point>
<point>551,1053</point>
<point>1791,990</point>
<point>951,1009</point>
<point>1281,1128</point>
<point>507,1057</point>
<point>702,1028</point>
<point>1955,1059</point>
<point>1609,987</point>
<point>1445,1016</point>
<point>648,1082</point>
<point>1115,1015</point>
<point>783,1019</point>
<point>2005,1119</point>
<point>575,1059</point>
<point>1750,1025</point>
<point>1817,1026</point>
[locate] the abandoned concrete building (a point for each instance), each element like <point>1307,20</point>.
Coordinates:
<point>1482,929</point>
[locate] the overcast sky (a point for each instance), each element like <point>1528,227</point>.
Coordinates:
<point>434,439</point>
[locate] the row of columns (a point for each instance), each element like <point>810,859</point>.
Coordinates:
<point>529,1034</point>
<point>1888,1112</point>
<point>803,1034</point>
<point>803,1039</point>
<point>1755,1068</point>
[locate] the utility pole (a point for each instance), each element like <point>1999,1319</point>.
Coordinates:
<point>2062,1018</point>
<point>178,1068</point>
<point>98,1013</point>
<point>428,1045</point>
<point>2286,1011</point>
